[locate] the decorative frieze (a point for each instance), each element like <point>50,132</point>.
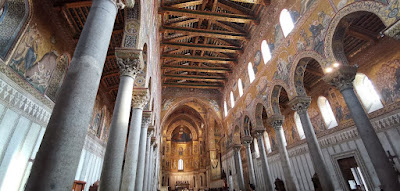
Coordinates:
<point>17,99</point>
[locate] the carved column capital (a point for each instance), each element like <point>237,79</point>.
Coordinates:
<point>150,130</point>
<point>393,31</point>
<point>300,104</point>
<point>146,118</point>
<point>237,147</point>
<point>140,98</point>
<point>120,4</point>
<point>276,121</point>
<point>129,61</point>
<point>259,131</point>
<point>342,78</point>
<point>247,140</point>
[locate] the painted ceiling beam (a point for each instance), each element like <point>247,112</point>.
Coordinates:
<point>193,85</point>
<point>198,69</point>
<point>208,59</point>
<point>208,15</point>
<point>205,33</point>
<point>203,47</point>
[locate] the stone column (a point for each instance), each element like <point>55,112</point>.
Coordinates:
<point>139,100</point>
<point>259,131</point>
<point>58,157</point>
<point>300,105</point>
<point>239,167</point>
<point>152,150</point>
<point>142,151</point>
<point>128,61</point>
<point>342,78</point>
<point>277,121</point>
<point>246,141</point>
<point>148,158</point>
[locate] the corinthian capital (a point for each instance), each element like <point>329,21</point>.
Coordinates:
<point>300,103</point>
<point>129,61</point>
<point>120,4</point>
<point>247,140</point>
<point>276,121</point>
<point>140,98</point>
<point>342,78</point>
<point>146,118</point>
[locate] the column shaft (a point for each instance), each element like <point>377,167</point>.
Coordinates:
<point>264,162</point>
<point>147,167</point>
<point>385,171</point>
<point>114,156</point>
<point>142,155</point>
<point>250,167</point>
<point>239,168</point>
<point>316,153</point>
<point>285,163</point>
<point>58,157</point>
<point>132,151</point>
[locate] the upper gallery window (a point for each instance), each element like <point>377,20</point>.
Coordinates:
<point>180,164</point>
<point>265,51</point>
<point>240,85</point>
<point>225,109</point>
<point>286,22</point>
<point>327,113</point>
<point>367,93</point>
<point>232,100</point>
<point>299,126</point>
<point>252,76</point>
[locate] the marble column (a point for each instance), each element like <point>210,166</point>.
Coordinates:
<point>342,78</point>
<point>238,166</point>
<point>58,157</point>
<point>128,61</point>
<point>139,100</point>
<point>148,158</point>
<point>259,131</point>
<point>152,150</point>
<point>246,141</point>
<point>276,122</point>
<point>142,151</point>
<point>300,105</point>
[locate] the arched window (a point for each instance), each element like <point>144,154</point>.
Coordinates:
<point>252,76</point>
<point>286,22</point>
<point>180,164</point>
<point>265,51</point>
<point>256,149</point>
<point>327,113</point>
<point>299,126</point>
<point>225,109</point>
<point>240,85</point>
<point>267,143</point>
<point>232,100</point>
<point>367,93</point>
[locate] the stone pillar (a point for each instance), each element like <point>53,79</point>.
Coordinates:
<point>300,105</point>
<point>152,148</point>
<point>58,157</point>
<point>128,61</point>
<point>259,131</point>
<point>246,141</point>
<point>277,121</point>
<point>239,167</point>
<point>139,100</point>
<point>148,158</point>
<point>142,151</point>
<point>342,78</point>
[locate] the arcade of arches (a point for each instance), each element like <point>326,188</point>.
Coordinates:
<point>146,95</point>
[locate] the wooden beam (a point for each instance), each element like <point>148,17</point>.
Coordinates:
<point>203,47</point>
<point>314,72</point>
<point>362,34</point>
<point>205,33</point>
<point>208,59</point>
<point>197,69</point>
<point>187,4</point>
<point>193,85</point>
<point>262,2</point>
<point>195,78</point>
<point>185,22</point>
<point>208,15</point>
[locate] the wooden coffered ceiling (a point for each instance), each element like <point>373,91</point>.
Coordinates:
<point>202,39</point>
